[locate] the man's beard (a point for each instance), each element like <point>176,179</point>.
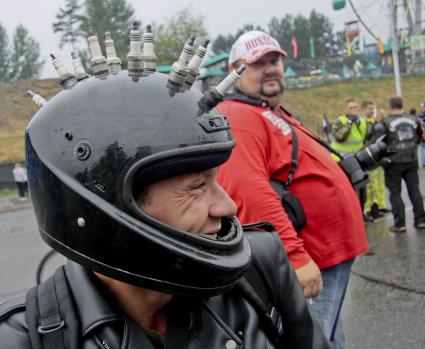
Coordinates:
<point>274,93</point>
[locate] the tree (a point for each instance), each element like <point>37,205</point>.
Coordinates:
<point>320,27</point>
<point>114,16</point>
<point>171,35</point>
<point>68,24</point>
<point>25,60</point>
<point>283,31</point>
<point>316,26</point>
<point>4,54</point>
<point>223,43</point>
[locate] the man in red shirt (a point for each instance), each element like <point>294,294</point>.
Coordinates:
<point>322,253</point>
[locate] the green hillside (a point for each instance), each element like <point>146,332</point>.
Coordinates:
<point>329,99</point>
<point>309,104</point>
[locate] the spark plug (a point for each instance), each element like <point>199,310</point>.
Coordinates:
<point>149,57</point>
<point>179,69</point>
<point>135,56</point>
<point>79,71</point>
<point>195,62</point>
<point>215,94</point>
<point>114,63</point>
<point>66,79</point>
<point>36,98</point>
<point>98,61</point>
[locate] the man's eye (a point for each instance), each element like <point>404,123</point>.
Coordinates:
<point>198,186</point>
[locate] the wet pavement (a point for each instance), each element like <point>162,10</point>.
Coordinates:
<point>385,302</point>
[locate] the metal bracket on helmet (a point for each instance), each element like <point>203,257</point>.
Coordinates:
<point>214,123</point>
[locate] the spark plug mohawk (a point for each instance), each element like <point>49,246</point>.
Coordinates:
<point>215,94</point>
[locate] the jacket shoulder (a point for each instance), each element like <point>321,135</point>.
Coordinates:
<point>13,326</point>
<point>268,255</point>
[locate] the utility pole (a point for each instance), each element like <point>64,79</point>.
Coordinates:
<point>409,18</point>
<point>418,18</point>
<point>393,19</point>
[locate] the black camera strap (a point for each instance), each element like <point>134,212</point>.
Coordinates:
<point>294,157</point>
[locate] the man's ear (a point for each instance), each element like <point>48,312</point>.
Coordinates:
<point>234,66</point>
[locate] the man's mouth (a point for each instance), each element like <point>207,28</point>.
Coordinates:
<point>270,80</point>
<point>211,234</point>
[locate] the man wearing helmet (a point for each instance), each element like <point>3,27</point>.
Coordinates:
<point>128,193</point>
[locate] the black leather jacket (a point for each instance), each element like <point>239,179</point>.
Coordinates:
<point>404,133</point>
<point>224,321</point>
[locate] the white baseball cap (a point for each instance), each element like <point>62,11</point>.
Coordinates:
<point>253,45</point>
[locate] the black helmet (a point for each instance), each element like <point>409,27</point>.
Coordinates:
<point>92,147</point>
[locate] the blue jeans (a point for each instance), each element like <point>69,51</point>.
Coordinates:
<point>326,307</point>
<point>421,149</point>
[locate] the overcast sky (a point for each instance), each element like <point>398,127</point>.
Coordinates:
<point>221,16</point>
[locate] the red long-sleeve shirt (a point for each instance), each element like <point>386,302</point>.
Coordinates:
<point>335,231</point>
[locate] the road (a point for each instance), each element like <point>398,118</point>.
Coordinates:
<point>385,303</point>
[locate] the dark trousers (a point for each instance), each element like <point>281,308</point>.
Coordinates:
<point>394,173</point>
<point>22,188</point>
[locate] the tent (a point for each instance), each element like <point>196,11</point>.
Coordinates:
<point>370,67</point>
<point>289,73</point>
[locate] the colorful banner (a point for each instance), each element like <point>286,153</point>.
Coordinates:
<point>294,47</point>
<point>348,45</point>
<point>381,46</point>
<point>312,48</point>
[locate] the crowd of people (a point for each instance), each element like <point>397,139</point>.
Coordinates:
<point>403,134</point>
<point>149,213</point>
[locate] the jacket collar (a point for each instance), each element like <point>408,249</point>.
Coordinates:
<point>91,303</point>
<point>239,96</point>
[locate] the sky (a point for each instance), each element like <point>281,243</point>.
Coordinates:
<point>221,17</point>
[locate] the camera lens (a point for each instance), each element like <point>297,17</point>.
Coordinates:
<point>371,155</point>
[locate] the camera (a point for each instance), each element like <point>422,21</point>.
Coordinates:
<point>356,165</point>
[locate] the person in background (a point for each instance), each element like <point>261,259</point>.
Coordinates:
<point>404,133</point>
<point>376,203</point>
<point>350,131</point>
<point>323,251</point>
<point>21,180</point>
<point>421,146</point>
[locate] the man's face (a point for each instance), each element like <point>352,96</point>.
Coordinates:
<point>192,202</point>
<point>352,108</point>
<point>368,111</point>
<point>263,79</point>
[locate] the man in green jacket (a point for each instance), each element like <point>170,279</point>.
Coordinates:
<point>349,131</point>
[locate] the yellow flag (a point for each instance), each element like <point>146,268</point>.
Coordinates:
<point>381,47</point>
<point>348,45</point>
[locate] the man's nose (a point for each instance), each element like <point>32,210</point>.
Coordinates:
<point>270,68</point>
<point>222,206</point>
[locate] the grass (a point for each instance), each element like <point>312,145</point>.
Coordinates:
<point>308,104</point>
<point>8,192</point>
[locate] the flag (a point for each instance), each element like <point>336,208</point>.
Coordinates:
<point>381,47</point>
<point>348,45</point>
<point>312,48</point>
<point>294,47</point>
